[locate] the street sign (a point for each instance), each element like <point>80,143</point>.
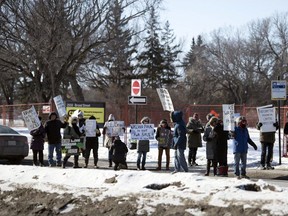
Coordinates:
<point>134,100</point>
<point>135,87</point>
<point>278,90</point>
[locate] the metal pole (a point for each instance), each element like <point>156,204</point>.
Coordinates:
<point>136,113</point>
<point>279,131</point>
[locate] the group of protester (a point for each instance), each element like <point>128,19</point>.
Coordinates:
<point>182,136</point>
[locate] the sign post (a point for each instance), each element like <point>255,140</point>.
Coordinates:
<point>278,92</point>
<point>135,97</point>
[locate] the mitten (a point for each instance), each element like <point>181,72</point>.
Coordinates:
<point>275,124</point>
<point>260,124</point>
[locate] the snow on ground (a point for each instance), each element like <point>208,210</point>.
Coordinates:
<point>217,191</point>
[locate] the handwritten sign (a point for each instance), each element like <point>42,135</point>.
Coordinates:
<point>266,115</point>
<point>142,131</point>
<point>165,99</point>
<point>90,128</point>
<point>31,118</point>
<point>228,117</point>
<point>60,106</point>
<point>114,128</point>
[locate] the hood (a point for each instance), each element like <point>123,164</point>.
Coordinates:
<point>52,113</point>
<point>111,117</point>
<point>176,116</point>
<point>145,119</point>
<point>190,119</point>
<point>92,117</point>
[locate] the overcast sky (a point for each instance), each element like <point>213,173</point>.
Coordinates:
<point>189,18</point>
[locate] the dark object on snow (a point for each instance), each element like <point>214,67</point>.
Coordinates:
<point>250,187</point>
<point>157,186</point>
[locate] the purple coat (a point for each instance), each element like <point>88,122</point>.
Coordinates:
<point>38,135</point>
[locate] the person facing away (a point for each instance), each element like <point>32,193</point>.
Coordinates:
<point>37,144</point>
<point>179,141</point>
<point>118,151</point>
<point>221,149</point>
<point>92,143</point>
<point>72,132</point>
<point>164,138</point>
<point>267,140</point>
<point>53,130</point>
<point>142,147</point>
<point>108,140</point>
<point>210,136</point>
<point>194,130</point>
<point>240,146</point>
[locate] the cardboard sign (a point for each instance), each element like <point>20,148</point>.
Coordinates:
<point>266,115</point>
<point>90,128</point>
<point>142,131</point>
<point>60,106</point>
<point>31,119</point>
<point>228,117</point>
<point>165,99</point>
<point>114,128</point>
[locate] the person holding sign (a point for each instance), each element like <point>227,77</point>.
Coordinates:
<point>267,140</point>
<point>240,146</point>
<point>72,132</point>
<point>37,144</point>
<point>194,130</point>
<point>142,147</point>
<point>92,142</point>
<point>108,139</point>
<point>53,130</point>
<point>163,136</point>
<point>179,141</point>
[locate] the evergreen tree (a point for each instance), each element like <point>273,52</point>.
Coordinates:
<point>151,60</point>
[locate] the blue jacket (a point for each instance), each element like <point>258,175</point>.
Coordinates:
<point>179,137</point>
<point>242,139</point>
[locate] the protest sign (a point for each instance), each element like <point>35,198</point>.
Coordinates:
<point>165,99</point>
<point>31,118</point>
<point>228,117</point>
<point>266,115</point>
<point>90,128</point>
<point>60,106</point>
<point>142,131</point>
<point>71,147</point>
<point>115,128</point>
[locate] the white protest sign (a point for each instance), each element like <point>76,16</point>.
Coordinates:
<point>142,131</point>
<point>114,128</point>
<point>60,106</point>
<point>228,117</point>
<point>266,115</point>
<point>165,99</point>
<point>31,118</point>
<point>90,127</point>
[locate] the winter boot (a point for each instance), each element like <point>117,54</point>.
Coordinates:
<point>76,165</point>
<point>207,168</point>
<point>110,163</point>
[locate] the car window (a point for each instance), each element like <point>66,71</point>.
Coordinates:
<point>7,130</point>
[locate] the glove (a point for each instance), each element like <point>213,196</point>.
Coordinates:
<point>72,137</point>
<point>260,124</point>
<point>275,124</point>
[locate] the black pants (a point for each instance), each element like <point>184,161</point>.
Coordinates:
<point>95,153</point>
<point>118,162</point>
<point>35,153</point>
<point>266,153</point>
<point>76,158</point>
<point>192,154</point>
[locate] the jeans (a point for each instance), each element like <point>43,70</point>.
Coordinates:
<point>237,158</point>
<point>140,153</point>
<point>266,159</point>
<point>180,161</point>
<point>57,148</point>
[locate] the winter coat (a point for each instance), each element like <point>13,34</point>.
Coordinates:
<point>71,133</point>
<point>210,137</point>
<point>267,137</point>
<point>167,139</point>
<point>221,144</point>
<point>53,129</point>
<point>194,130</point>
<point>37,141</point>
<point>118,150</point>
<point>179,137</point>
<point>143,146</point>
<point>242,138</point>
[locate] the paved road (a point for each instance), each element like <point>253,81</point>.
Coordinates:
<point>276,176</point>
